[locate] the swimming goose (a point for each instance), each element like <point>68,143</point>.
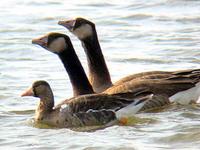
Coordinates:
<point>98,73</point>
<point>61,45</point>
<point>181,86</point>
<point>90,109</point>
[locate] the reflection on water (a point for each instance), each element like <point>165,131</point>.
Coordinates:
<point>135,35</point>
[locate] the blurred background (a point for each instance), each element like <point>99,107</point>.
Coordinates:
<point>135,36</point>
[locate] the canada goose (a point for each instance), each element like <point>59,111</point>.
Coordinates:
<point>99,75</point>
<point>90,109</point>
<point>61,45</point>
<point>181,86</point>
<point>98,72</point>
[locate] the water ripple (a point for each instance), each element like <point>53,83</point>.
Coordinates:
<point>135,35</point>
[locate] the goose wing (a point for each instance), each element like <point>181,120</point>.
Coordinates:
<point>157,75</point>
<point>115,102</point>
<point>176,82</point>
<point>144,75</point>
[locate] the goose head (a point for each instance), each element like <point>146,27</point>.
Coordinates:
<point>80,27</point>
<point>54,42</point>
<point>61,45</point>
<point>40,89</point>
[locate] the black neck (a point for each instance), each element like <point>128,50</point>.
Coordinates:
<point>78,78</point>
<point>96,62</point>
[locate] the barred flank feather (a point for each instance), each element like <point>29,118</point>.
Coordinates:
<point>155,102</point>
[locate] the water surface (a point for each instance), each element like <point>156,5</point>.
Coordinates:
<point>135,36</point>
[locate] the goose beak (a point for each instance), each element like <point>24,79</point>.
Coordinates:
<point>69,24</point>
<point>28,92</point>
<point>42,41</point>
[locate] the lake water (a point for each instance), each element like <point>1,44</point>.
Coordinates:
<point>135,36</point>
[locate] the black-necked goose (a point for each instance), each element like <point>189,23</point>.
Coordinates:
<point>182,86</point>
<point>61,45</point>
<point>98,72</point>
<point>89,110</point>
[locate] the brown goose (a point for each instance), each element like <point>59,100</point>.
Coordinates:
<point>98,73</point>
<point>61,45</point>
<point>89,110</point>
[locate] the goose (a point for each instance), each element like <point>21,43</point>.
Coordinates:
<point>60,44</point>
<point>67,55</point>
<point>181,86</point>
<point>99,75</point>
<point>90,109</point>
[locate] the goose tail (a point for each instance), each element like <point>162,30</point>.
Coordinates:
<point>143,104</point>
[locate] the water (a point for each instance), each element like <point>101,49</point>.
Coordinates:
<point>135,35</point>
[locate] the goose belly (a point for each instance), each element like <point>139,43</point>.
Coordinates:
<point>187,96</point>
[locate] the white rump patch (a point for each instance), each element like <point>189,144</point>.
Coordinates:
<point>130,110</point>
<point>83,31</point>
<point>187,96</point>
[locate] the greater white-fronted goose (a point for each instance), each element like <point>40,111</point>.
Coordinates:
<point>182,86</point>
<point>61,45</point>
<point>92,109</point>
